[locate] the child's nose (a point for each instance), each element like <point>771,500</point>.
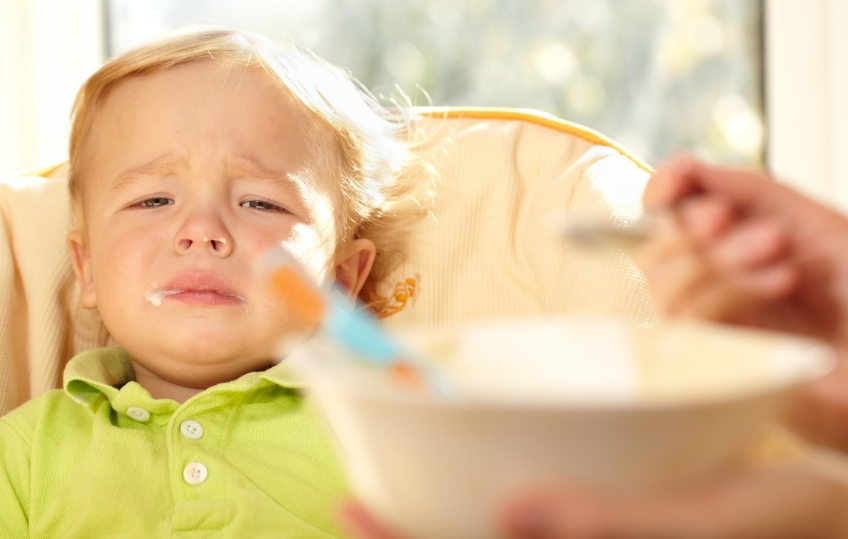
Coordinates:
<point>204,233</point>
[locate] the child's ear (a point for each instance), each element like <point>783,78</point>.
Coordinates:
<point>81,261</point>
<point>354,269</point>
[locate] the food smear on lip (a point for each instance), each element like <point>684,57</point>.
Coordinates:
<point>155,295</point>
<point>197,297</point>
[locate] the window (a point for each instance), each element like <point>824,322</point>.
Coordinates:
<point>659,76</point>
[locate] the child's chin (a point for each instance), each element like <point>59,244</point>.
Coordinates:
<point>206,370</point>
<point>211,354</point>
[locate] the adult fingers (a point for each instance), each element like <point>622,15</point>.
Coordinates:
<point>725,298</point>
<point>821,414</point>
<point>751,243</point>
<point>674,283</point>
<point>361,524</point>
<point>779,503</point>
<point>672,181</point>
<point>711,219</point>
<point>684,176</point>
<point>743,272</point>
<point>715,278</point>
<point>706,217</point>
<point>671,263</point>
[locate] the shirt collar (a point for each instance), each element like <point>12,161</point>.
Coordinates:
<point>107,373</point>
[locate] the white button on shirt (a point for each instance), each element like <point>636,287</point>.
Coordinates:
<point>139,414</point>
<point>194,473</point>
<point>191,429</point>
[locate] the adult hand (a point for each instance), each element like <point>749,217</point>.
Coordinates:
<point>781,502</point>
<point>362,525</point>
<point>788,502</point>
<point>735,246</point>
<point>770,243</point>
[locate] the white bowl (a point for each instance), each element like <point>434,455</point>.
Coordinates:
<point>589,402</point>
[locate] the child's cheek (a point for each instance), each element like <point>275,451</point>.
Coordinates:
<point>313,248</point>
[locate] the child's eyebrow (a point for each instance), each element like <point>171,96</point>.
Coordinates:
<point>159,166</point>
<point>167,164</point>
<point>292,182</point>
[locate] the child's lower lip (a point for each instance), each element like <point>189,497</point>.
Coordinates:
<point>206,297</point>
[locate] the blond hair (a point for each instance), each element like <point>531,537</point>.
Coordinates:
<point>383,186</point>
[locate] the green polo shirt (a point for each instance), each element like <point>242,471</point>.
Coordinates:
<point>244,459</point>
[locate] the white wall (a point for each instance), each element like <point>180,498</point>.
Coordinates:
<point>47,49</point>
<point>807,96</point>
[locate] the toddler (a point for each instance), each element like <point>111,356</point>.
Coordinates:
<point>190,157</point>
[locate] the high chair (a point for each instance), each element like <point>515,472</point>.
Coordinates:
<point>488,251</point>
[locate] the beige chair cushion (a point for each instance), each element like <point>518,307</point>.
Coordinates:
<point>490,251</point>
<point>42,324</point>
<point>487,253</point>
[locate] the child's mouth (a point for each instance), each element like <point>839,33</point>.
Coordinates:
<point>195,289</point>
<point>195,297</point>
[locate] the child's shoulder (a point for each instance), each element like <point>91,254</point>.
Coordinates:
<point>53,406</point>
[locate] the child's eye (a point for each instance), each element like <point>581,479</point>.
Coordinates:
<point>261,205</point>
<point>156,202</point>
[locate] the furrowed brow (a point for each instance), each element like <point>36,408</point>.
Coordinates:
<point>159,166</point>
<point>293,182</point>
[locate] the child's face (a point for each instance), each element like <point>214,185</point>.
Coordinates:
<point>191,174</point>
